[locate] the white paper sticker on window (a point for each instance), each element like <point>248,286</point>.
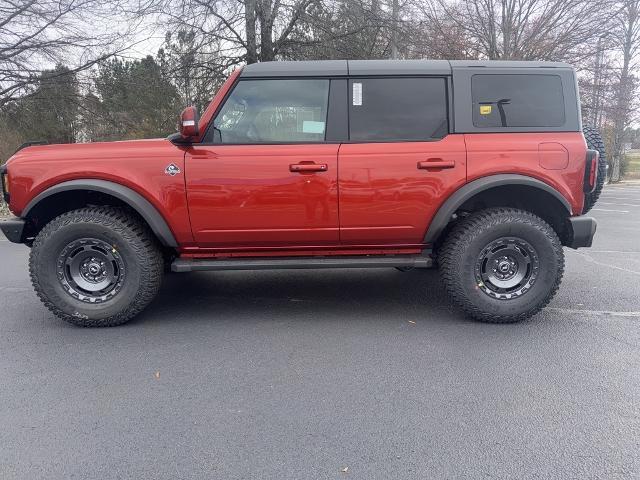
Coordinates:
<point>309,126</point>
<point>357,94</point>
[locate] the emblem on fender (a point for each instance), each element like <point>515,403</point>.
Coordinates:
<point>172,170</point>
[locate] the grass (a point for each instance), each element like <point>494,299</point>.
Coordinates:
<point>633,166</point>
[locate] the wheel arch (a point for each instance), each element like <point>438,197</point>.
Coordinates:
<point>533,194</point>
<point>126,196</point>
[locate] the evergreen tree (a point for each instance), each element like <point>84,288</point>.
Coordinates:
<point>50,112</point>
<point>133,99</point>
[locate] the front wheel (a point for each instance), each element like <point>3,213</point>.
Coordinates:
<point>501,265</point>
<point>96,267</point>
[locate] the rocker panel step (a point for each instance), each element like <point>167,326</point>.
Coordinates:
<point>197,265</point>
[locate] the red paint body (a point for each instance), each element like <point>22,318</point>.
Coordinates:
<point>528,154</point>
<point>246,195</point>
<point>386,198</point>
<point>371,198</point>
<point>137,164</point>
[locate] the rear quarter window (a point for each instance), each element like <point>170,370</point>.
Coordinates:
<point>517,101</point>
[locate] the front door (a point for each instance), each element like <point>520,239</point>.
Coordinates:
<point>400,163</point>
<point>264,175</point>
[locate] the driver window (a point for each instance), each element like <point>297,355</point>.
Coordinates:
<point>272,111</point>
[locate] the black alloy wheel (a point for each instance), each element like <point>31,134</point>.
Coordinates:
<point>90,270</point>
<point>507,268</point>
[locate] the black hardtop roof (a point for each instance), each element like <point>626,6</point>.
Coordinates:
<point>382,67</point>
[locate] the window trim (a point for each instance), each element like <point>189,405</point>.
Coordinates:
<point>344,107</point>
<point>253,79</point>
<point>337,129</point>
<point>510,127</point>
<point>448,106</point>
<point>462,112</point>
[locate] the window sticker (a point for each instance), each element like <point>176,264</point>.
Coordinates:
<point>357,94</point>
<point>485,109</point>
<point>309,126</point>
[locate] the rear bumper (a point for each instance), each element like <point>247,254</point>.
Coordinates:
<point>13,228</point>
<point>584,228</point>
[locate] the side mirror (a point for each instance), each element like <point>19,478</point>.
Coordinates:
<point>188,125</point>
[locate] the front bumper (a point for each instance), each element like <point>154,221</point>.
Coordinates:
<point>13,228</point>
<point>584,228</point>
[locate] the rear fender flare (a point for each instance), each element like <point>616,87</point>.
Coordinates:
<point>136,201</point>
<point>453,203</point>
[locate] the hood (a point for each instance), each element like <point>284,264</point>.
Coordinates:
<point>85,151</point>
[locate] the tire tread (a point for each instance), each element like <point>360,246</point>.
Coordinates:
<point>595,142</point>
<point>135,234</point>
<point>463,234</point>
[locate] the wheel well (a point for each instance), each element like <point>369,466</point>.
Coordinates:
<point>65,201</point>
<point>524,197</point>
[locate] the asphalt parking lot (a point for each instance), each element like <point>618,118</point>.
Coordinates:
<point>361,374</point>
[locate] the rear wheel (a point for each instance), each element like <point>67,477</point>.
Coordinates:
<point>502,264</point>
<point>96,267</point>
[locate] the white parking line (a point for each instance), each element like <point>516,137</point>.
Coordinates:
<point>620,192</point>
<point>606,198</point>
<point>594,312</point>
<point>606,210</point>
<point>621,204</point>
<point>626,199</point>
<point>590,259</point>
<point>626,252</point>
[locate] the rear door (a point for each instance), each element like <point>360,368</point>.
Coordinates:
<point>400,163</point>
<point>264,175</point>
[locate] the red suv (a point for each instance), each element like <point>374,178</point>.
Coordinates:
<point>478,168</point>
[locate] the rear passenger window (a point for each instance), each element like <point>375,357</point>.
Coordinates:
<point>397,109</point>
<point>517,101</point>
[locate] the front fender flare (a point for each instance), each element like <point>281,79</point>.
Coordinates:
<point>136,201</point>
<point>464,193</point>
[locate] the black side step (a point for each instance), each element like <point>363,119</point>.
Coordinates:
<point>196,265</point>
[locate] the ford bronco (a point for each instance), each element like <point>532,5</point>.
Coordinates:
<point>479,168</point>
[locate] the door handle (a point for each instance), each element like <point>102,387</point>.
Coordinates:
<point>308,167</point>
<point>436,163</point>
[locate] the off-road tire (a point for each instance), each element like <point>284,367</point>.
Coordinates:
<point>594,142</point>
<point>460,253</point>
<point>133,244</point>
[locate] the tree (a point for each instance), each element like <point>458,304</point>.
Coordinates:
<point>626,35</point>
<point>245,31</point>
<point>133,99</point>
<point>195,69</point>
<point>524,29</point>
<point>49,113</point>
<point>10,138</point>
<point>351,29</point>
<point>37,34</point>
